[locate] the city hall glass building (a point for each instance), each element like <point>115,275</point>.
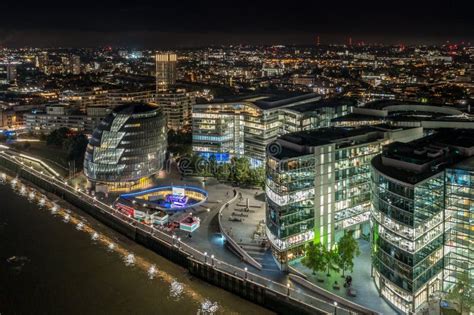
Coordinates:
<point>318,185</point>
<point>422,217</point>
<point>127,148</point>
<point>245,126</point>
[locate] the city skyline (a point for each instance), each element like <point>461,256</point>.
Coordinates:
<point>234,158</point>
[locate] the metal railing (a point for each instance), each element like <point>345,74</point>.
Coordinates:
<point>290,292</point>
<point>245,256</point>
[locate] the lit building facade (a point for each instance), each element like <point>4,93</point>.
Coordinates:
<point>318,185</point>
<point>7,73</point>
<point>177,106</point>
<point>246,126</point>
<point>459,223</point>
<point>165,71</point>
<point>408,114</point>
<point>422,228</point>
<point>127,148</point>
<point>75,64</point>
<point>59,116</point>
<point>104,97</point>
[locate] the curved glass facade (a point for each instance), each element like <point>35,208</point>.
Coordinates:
<point>407,238</point>
<point>290,205</point>
<point>128,146</point>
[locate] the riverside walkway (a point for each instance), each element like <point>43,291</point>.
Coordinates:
<point>320,305</point>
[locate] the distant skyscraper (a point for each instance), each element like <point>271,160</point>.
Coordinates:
<point>75,64</point>
<point>165,71</point>
<point>11,72</point>
<point>42,61</point>
<point>7,73</point>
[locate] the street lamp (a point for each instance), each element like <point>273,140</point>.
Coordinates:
<point>212,260</point>
<point>179,242</point>
<point>205,257</point>
<point>335,308</point>
<point>245,273</point>
<point>288,286</point>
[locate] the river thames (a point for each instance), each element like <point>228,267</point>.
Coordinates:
<point>50,266</point>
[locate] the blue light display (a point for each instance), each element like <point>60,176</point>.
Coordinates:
<point>220,157</point>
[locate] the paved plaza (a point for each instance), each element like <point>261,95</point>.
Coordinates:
<point>362,282</point>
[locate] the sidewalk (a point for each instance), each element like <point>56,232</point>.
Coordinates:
<point>362,282</point>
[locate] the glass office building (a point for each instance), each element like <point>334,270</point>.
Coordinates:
<point>245,126</point>
<point>421,233</point>
<point>127,148</point>
<point>318,185</point>
<point>459,237</point>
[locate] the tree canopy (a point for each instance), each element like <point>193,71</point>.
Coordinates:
<point>463,292</point>
<point>347,248</point>
<point>314,257</point>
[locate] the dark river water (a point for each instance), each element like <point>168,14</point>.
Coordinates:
<point>48,266</point>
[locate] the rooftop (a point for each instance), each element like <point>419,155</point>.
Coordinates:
<point>467,164</point>
<point>380,104</point>
<point>271,100</point>
<point>329,102</point>
<point>299,143</point>
<point>418,160</point>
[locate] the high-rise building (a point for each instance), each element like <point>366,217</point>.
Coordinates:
<point>318,185</point>
<point>245,126</point>
<point>165,71</point>
<point>42,61</point>
<point>177,106</point>
<point>7,73</point>
<point>422,217</point>
<point>75,64</point>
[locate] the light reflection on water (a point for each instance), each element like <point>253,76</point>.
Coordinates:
<point>201,297</point>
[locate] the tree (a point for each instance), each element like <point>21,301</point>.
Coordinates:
<point>241,170</point>
<point>75,147</point>
<point>257,177</point>
<point>57,136</point>
<point>213,165</point>
<point>463,292</point>
<point>348,248</point>
<point>314,258</point>
<point>179,142</point>
<point>331,258</point>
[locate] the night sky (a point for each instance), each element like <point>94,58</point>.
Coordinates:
<point>177,23</point>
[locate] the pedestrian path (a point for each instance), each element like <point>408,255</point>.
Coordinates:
<point>362,282</point>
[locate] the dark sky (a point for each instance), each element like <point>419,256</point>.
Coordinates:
<point>174,23</point>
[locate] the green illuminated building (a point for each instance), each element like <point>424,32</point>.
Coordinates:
<point>318,185</point>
